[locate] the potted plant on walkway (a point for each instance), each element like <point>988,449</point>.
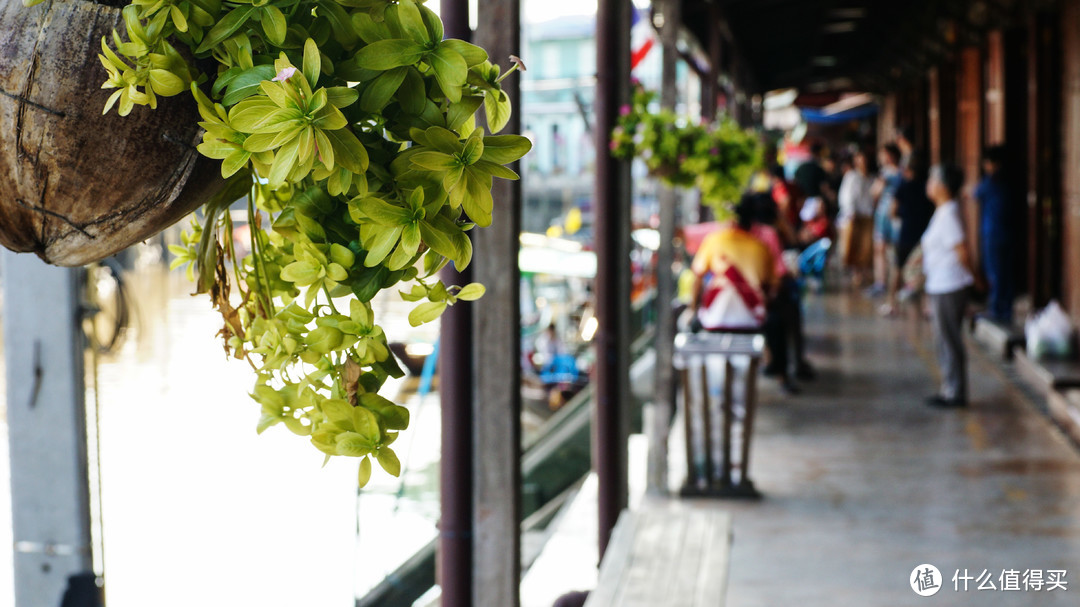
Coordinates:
<point>350,126</point>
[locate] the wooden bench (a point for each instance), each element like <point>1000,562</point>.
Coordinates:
<point>672,555</point>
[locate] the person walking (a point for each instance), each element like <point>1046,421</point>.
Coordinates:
<point>783,324</point>
<point>856,218</point>
<point>913,210</point>
<point>885,222</point>
<point>996,237</point>
<point>948,269</point>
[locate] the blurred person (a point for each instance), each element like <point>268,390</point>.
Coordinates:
<point>948,270</point>
<point>783,324</point>
<point>855,219</point>
<point>813,179</point>
<point>734,273</point>
<point>905,140</point>
<point>788,201</point>
<point>913,209</point>
<point>992,194</point>
<point>885,223</point>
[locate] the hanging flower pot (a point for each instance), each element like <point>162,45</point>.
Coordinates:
<point>76,185</point>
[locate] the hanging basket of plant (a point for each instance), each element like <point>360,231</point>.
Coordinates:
<point>76,185</point>
<point>717,158</point>
<point>349,128</point>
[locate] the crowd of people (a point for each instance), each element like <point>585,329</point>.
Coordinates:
<point>899,233</point>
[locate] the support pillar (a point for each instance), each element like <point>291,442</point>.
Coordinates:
<point>497,344</point>
<point>664,396</point>
<point>454,561</point>
<point>46,417</point>
<point>612,285</point>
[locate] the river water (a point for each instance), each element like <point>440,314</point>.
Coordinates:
<point>197,509</point>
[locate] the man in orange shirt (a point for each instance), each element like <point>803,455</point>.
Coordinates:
<point>735,276</point>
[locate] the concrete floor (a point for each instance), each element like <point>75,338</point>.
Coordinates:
<point>863,482</point>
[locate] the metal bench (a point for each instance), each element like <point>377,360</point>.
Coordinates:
<point>692,354</point>
<point>666,555</point>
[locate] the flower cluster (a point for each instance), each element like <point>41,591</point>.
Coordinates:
<point>349,129</point>
<point>717,158</point>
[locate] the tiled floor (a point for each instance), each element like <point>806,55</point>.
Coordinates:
<point>863,482</point>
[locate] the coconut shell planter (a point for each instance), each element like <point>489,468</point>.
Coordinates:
<point>75,185</point>
<point>350,129</point>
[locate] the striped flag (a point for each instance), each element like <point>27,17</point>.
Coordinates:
<point>642,38</point>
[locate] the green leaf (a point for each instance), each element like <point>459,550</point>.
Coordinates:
<point>497,108</point>
<point>302,273</point>
<point>341,96</point>
<point>394,417</point>
<point>381,245</point>
<point>434,161</point>
<point>426,312</point>
<point>348,151</point>
<point>440,234</point>
<point>460,112</point>
<point>312,62</point>
<point>364,475</point>
<point>378,92</point>
<point>367,425</point>
<point>324,340</point>
<point>471,292</point>
<point>477,201</point>
<point>473,55</point>
<point>274,25</point>
<point>284,162</point>
<point>410,239</point>
<point>226,27</point>
<point>495,170</point>
<point>337,410</point>
<point>388,54</point>
<point>166,83</point>
<point>412,24</point>
<point>384,213</point>
<point>433,23</point>
<point>339,20</point>
<point>474,147</point>
<point>389,461</point>
<point>353,444</point>
<point>504,149</point>
<point>368,29</point>
<point>246,84</point>
<point>412,94</point>
<point>450,71</point>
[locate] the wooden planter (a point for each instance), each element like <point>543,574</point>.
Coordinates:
<point>77,186</point>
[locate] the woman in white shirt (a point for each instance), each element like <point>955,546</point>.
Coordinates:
<point>948,269</point>
<point>856,217</point>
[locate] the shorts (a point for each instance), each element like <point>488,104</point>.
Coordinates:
<point>883,223</point>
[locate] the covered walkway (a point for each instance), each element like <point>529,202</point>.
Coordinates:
<point>863,482</point>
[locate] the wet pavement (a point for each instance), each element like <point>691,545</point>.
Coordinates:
<point>863,482</point>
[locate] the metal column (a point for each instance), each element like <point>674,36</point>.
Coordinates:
<point>44,349</point>
<point>612,285</point>
<point>454,561</point>
<point>664,396</point>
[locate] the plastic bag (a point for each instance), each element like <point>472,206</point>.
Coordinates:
<point>1049,334</point>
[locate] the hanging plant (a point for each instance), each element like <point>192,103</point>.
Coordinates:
<point>350,126</point>
<point>717,158</point>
